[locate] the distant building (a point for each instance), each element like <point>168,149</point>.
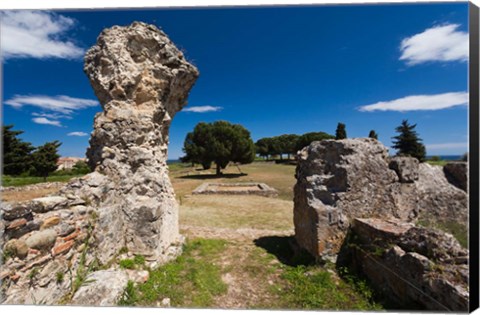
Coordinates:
<point>65,163</point>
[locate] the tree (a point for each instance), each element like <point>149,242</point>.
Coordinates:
<point>262,147</point>
<point>17,157</point>
<point>307,138</point>
<point>220,142</point>
<point>81,167</point>
<point>340,133</point>
<point>408,142</point>
<point>45,159</point>
<point>373,135</point>
<point>464,157</point>
<point>287,144</point>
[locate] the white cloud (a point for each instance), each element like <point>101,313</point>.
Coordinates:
<point>77,133</point>
<point>46,121</point>
<point>202,109</point>
<point>447,146</point>
<point>51,115</point>
<point>36,34</point>
<point>419,102</point>
<point>60,103</point>
<point>439,43</point>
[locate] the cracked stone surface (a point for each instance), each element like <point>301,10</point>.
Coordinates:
<point>141,80</point>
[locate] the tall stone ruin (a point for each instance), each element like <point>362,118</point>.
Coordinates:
<point>141,80</point>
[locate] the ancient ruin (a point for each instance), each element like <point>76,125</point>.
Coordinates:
<point>357,206</point>
<point>338,181</point>
<point>259,189</point>
<point>126,206</point>
<point>142,80</point>
<point>417,268</point>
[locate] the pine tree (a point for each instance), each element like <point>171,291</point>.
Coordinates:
<point>45,159</point>
<point>17,157</point>
<point>340,133</point>
<point>373,134</point>
<point>408,142</point>
<point>220,142</point>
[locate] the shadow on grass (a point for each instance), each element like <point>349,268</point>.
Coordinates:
<point>286,250</point>
<point>212,176</point>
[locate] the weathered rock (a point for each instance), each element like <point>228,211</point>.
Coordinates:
<point>45,204</point>
<point>42,239</point>
<point>409,265</point>
<point>24,229</point>
<point>102,288</point>
<point>16,247</point>
<point>16,224</point>
<point>457,174</point>
<point>138,276</point>
<point>405,167</point>
<point>64,229</point>
<point>62,248</point>
<point>141,80</point>
<point>338,180</point>
<point>49,222</point>
<point>12,212</point>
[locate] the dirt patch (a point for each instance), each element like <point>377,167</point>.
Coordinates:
<point>251,273</point>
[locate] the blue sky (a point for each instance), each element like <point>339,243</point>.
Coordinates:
<point>275,70</point>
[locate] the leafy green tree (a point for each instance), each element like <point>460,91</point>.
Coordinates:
<point>373,134</point>
<point>220,142</point>
<point>45,159</point>
<point>307,138</point>
<point>287,144</point>
<point>340,133</point>
<point>262,147</point>
<point>17,157</point>
<point>81,167</point>
<point>407,142</point>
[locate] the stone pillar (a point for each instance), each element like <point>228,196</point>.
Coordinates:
<point>141,80</point>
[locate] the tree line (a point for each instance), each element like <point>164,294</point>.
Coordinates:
<point>288,144</point>
<point>22,158</point>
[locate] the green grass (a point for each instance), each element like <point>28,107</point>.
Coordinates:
<point>195,280</point>
<point>458,230</point>
<point>314,288</point>
<point>127,264</point>
<point>137,262</point>
<point>439,163</point>
<point>8,181</point>
<point>192,280</point>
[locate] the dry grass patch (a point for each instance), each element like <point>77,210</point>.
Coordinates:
<point>279,176</point>
<point>254,212</point>
<point>19,196</point>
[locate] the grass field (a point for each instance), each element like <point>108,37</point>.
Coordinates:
<point>8,181</point>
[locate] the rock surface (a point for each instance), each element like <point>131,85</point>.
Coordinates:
<point>414,267</point>
<point>142,80</point>
<point>339,180</point>
<point>457,174</point>
<point>405,167</point>
<point>102,288</point>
